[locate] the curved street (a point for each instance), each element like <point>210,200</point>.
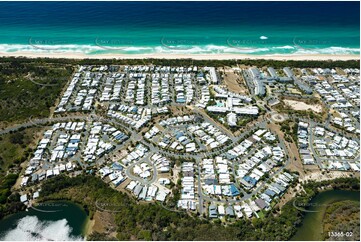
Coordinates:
<point>129,171</point>
<point>137,137</point>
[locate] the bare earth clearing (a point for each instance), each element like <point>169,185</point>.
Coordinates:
<point>301,106</point>
<point>234,82</point>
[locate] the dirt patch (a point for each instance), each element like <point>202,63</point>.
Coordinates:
<point>315,176</point>
<point>278,117</point>
<point>123,185</point>
<point>119,155</point>
<point>296,163</point>
<point>292,150</point>
<point>176,111</point>
<point>302,106</point>
<point>291,193</point>
<point>322,176</point>
<point>235,82</point>
<point>294,91</point>
<point>339,71</point>
<point>89,227</point>
<point>102,222</point>
<point>335,113</point>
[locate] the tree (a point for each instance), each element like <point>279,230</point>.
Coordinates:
<point>17,138</point>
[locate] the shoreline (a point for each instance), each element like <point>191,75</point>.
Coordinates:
<point>73,55</point>
<point>320,213</point>
<point>88,228</point>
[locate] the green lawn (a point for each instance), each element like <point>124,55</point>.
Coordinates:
<point>260,214</point>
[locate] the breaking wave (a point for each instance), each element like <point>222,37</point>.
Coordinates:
<point>179,49</point>
<point>330,50</point>
<point>30,228</point>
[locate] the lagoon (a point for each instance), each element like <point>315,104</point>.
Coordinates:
<point>59,220</point>
<point>312,226</point>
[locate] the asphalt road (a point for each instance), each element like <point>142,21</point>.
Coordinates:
<point>147,182</point>
<point>136,136</point>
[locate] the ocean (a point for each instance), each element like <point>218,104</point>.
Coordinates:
<point>255,28</point>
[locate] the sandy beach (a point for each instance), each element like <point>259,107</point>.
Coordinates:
<point>70,55</point>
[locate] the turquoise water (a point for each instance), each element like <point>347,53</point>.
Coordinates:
<point>219,104</point>
<point>60,220</point>
<point>311,228</point>
<point>258,28</point>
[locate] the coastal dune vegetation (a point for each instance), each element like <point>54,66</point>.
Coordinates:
<point>9,202</point>
<point>29,88</point>
<point>16,147</point>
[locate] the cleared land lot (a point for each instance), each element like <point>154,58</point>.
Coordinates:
<point>235,82</point>
<point>302,106</point>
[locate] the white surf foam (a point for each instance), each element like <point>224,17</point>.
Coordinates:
<point>181,49</point>
<point>286,47</point>
<point>48,48</point>
<point>207,49</point>
<point>329,50</point>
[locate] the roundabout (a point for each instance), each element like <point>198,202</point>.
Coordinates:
<point>276,117</point>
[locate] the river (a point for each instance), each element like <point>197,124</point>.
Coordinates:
<point>58,220</point>
<point>312,226</point>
